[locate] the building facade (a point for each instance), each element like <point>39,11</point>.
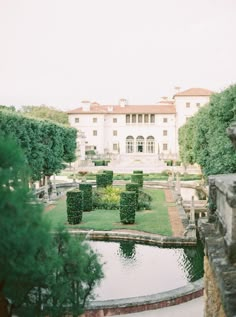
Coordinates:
<point>136,130</point>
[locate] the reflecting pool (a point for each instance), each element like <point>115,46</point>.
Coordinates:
<point>132,269</point>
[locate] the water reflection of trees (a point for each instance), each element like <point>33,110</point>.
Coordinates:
<point>193,261</point>
<point>127,249</point>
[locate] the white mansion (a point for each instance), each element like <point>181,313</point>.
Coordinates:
<point>136,130</point>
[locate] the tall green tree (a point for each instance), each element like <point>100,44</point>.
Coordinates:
<point>41,274</point>
<point>47,145</point>
<point>203,139</point>
<point>45,112</point>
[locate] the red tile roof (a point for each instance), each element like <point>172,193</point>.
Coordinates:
<point>96,108</point>
<point>195,92</point>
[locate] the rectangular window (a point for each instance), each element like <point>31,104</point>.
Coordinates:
<point>115,147</point>
<point>140,118</point>
<point>198,104</point>
<point>128,118</point>
<point>114,120</point>
<point>95,132</point>
<point>76,120</point>
<point>187,104</point>
<point>165,120</point>
<point>152,118</point>
<point>146,118</point>
<point>133,118</point>
<point>114,132</point>
<point>164,132</point>
<point>165,147</point>
<point>95,120</point>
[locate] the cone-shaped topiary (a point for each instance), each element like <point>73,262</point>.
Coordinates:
<point>74,203</point>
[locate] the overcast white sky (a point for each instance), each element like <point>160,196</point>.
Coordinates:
<point>60,52</point>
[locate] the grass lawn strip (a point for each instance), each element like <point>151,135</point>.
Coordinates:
<point>154,221</point>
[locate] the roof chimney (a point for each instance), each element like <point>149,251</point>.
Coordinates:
<point>85,105</point>
<point>123,102</point>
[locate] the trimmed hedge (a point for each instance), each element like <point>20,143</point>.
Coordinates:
<point>87,196</point>
<point>102,180</point>
<point>74,204</point>
<point>133,187</point>
<point>127,207</point>
<point>109,177</point>
<point>137,178</point>
<point>100,162</point>
<point>137,172</point>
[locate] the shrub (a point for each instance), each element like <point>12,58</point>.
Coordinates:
<point>133,187</point>
<point>102,180</point>
<point>169,162</point>
<point>144,200</point>
<point>109,177</point>
<point>107,198</point>
<point>74,203</point>
<point>137,178</point>
<point>177,163</point>
<point>137,172</point>
<point>127,207</point>
<point>100,162</point>
<point>87,196</point>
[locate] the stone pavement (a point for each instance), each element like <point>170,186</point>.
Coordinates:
<point>193,308</point>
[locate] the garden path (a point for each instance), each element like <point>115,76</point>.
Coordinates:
<point>176,223</point>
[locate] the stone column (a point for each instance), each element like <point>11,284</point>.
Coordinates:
<point>192,211</point>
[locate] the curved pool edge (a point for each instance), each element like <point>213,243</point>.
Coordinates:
<point>139,237</point>
<point>148,302</point>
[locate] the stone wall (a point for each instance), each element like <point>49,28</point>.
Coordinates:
<point>219,237</point>
<point>213,304</point>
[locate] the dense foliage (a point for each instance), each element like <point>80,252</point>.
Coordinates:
<point>203,138</point>
<point>45,112</point>
<point>46,145</point>
<point>133,187</point>
<point>74,206</point>
<point>102,180</point>
<point>41,274</point>
<point>137,178</point>
<point>86,188</point>
<point>107,198</point>
<point>128,207</point>
<point>109,177</point>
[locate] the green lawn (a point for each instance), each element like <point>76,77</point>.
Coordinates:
<point>155,220</point>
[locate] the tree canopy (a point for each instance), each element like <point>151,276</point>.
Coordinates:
<point>203,138</point>
<point>41,274</point>
<point>45,112</point>
<point>46,145</point>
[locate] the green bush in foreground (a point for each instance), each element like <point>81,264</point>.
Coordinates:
<point>39,274</point>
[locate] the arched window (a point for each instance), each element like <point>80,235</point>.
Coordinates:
<point>140,144</point>
<point>129,144</point>
<point>150,144</point>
